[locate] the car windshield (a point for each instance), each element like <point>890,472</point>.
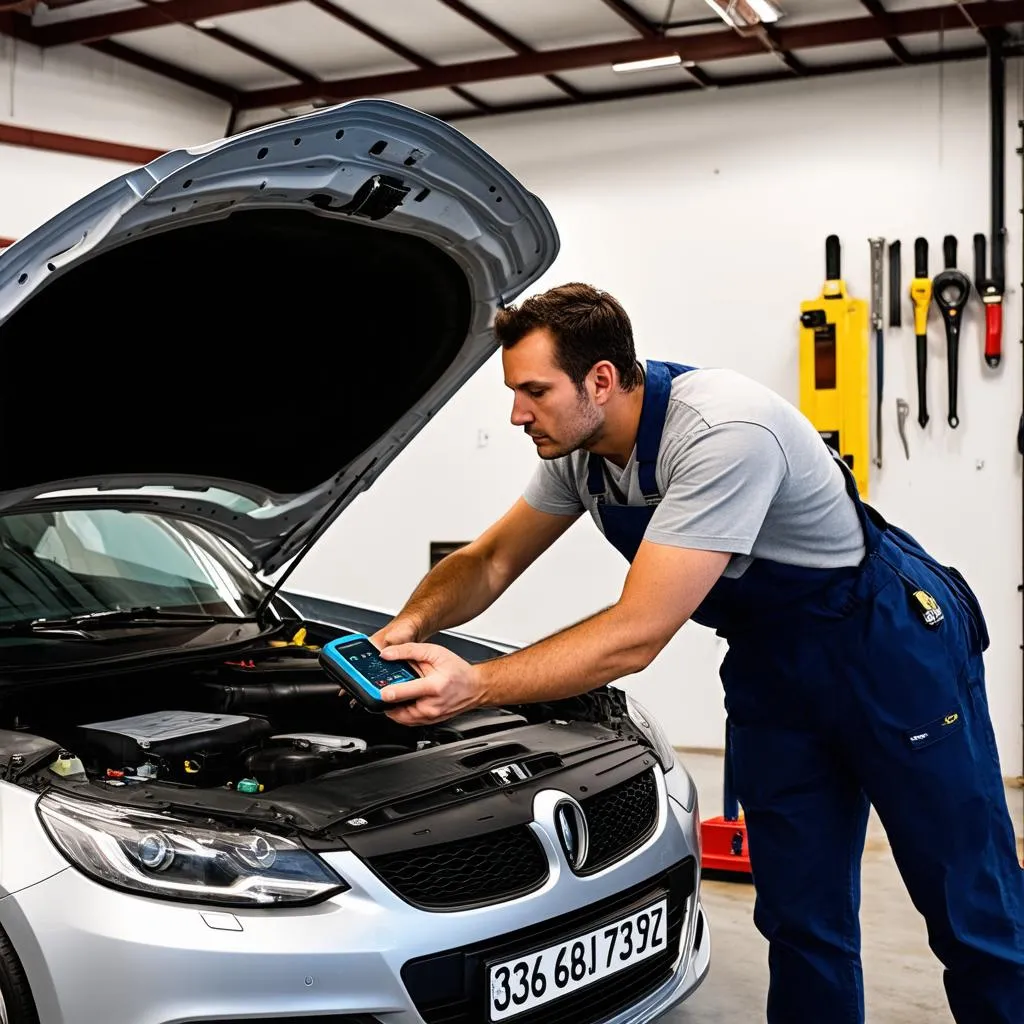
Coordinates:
<point>58,565</point>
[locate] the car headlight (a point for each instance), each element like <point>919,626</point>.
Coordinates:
<point>648,725</point>
<point>166,857</point>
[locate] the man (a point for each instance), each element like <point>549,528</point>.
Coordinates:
<point>854,670</point>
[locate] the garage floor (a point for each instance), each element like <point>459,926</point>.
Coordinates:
<point>902,978</point>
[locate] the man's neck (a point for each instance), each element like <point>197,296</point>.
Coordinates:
<point>621,426</point>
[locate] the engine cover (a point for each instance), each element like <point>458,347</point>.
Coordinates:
<point>193,747</point>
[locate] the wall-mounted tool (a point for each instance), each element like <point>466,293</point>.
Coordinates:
<point>951,289</point>
<point>895,285</point>
<point>991,286</point>
<point>902,412</point>
<point>990,291</point>
<point>834,367</point>
<point>921,294</point>
<point>878,322</point>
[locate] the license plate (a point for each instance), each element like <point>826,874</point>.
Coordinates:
<point>533,979</point>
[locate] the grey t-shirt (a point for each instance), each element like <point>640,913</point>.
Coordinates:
<point>739,470</point>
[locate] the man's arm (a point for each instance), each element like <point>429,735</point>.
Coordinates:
<point>470,580</point>
<point>662,590</point>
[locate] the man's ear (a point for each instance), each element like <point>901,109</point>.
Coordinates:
<point>604,380</point>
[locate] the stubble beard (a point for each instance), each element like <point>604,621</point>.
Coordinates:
<point>586,428</point>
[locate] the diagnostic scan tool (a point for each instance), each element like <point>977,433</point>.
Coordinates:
<point>355,663</point>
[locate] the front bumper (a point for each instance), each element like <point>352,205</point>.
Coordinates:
<point>94,954</point>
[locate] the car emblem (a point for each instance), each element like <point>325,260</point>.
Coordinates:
<point>506,774</point>
<point>572,832</point>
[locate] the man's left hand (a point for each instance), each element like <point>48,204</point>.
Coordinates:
<point>448,685</point>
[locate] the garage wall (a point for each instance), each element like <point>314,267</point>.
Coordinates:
<point>76,91</point>
<point>707,217</point>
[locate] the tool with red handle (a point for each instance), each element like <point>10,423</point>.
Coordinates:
<point>990,290</point>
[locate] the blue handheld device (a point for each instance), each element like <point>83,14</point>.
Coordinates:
<point>355,663</point>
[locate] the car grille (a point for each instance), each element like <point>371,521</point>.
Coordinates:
<point>449,987</point>
<point>468,872</point>
<point>620,819</point>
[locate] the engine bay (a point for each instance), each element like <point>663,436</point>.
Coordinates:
<point>251,725</point>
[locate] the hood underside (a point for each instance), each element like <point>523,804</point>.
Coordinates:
<point>245,337</point>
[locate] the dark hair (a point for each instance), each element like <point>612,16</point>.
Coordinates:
<point>588,325</point>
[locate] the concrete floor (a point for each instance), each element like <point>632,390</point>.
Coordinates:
<point>902,979</point>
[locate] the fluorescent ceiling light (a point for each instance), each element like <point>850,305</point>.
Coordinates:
<point>743,14</point>
<point>671,60</point>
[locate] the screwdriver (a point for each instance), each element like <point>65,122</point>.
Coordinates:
<point>921,296</point>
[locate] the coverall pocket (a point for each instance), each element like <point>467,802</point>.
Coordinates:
<point>936,730</point>
<point>977,695</point>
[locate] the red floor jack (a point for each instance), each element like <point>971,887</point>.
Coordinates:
<point>724,839</point>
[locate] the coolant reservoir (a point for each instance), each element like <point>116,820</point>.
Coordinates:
<point>67,764</point>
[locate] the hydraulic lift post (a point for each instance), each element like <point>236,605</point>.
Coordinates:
<point>724,838</point>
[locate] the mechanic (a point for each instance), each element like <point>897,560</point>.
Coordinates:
<point>853,674</point>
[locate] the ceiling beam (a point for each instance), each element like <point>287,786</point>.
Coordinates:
<point>55,142</point>
<point>900,52</point>
<point>772,44</point>
<point>980,13</point>
<point>506,38</point>
<point>15,135</point>
<point>160,67</point>
<point>400,49</point>
<point>103,26</point>
<point>636,21</point>
<point>271,61</point>
<point>17,26</point>
<point>700,48</point>
<point>236,44</point>
<point>735,81</point>
<point>20,27</point>
<point>701,76</point>
<point>471,14</point>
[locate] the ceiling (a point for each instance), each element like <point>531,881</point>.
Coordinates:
<point>273,59</point>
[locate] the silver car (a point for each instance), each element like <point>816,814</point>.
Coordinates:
<point>194,826</point>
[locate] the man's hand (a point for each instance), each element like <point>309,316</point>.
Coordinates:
<point>397,631</point>
<point>448,685</point>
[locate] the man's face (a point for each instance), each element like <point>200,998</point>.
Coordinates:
<point>547,405</point>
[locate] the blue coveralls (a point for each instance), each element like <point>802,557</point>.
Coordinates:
<point>846,688</point>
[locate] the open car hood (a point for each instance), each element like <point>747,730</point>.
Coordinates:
<point>246,333</point>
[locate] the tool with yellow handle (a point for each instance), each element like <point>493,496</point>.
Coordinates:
<point>834,367</point>
<point>921,296</point>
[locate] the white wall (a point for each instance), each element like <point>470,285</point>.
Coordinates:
<point>76,91</point>
<point>706,215</point>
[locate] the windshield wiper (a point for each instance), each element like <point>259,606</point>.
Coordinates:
<point>144,617</point>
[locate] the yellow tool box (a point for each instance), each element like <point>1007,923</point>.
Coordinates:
<point>834,367</point>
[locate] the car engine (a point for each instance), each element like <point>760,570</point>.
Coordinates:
<point>250,725</point>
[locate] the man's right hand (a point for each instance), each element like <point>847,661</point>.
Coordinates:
<point>397,631</point>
